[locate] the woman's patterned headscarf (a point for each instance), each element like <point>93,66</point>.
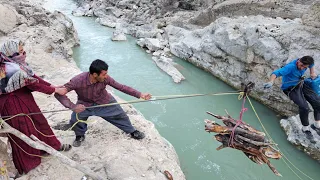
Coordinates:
<point>14,71</point>
<point>11,49</point>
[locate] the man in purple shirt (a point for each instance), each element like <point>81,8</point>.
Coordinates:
<point>91,90</point>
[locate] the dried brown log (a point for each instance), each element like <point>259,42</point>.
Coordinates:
<point>212,126</point>
<point>273,169</point>
<point>221,147</point>
<point>225,139</point>
<point>256,143</point>
<point>253,158</point>
<point>251,139</point>
<point>259,156</point>
<point>264,148</point>
<point>270,152</point>
<point>228,121</point>
<point>246,139</point>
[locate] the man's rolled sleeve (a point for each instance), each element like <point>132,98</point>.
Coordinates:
<point>64,100</point>
<point>126,89</point>
<point>71,85</point>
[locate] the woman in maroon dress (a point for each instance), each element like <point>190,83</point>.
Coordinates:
<point>17,81</point>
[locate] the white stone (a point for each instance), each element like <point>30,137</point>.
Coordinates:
<point>166,65</point>
<point>312,17</point>
<point>114,11</point>
<point>118,36</point>
<point>157,53</point>
<point>141,42</point>
<point>108,21</point>
<point>153,44</point>
<point>8,18</point>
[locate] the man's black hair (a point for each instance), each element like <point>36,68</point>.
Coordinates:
<point>307,60</point>
<point>97,66</point>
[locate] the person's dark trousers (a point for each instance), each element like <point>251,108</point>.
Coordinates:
<point>300,95</point>
<point>113,114</point>
<point>314,99</point>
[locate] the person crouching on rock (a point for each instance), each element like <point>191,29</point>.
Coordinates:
<point>91,90</point>
<point>17,81</point>
<point>298,92</point>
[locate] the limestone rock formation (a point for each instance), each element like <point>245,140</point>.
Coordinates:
<point>9,18</point>
<point>167,66</point>
<point>292,127</point>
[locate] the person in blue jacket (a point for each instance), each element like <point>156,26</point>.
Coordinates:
<point>298,92</point>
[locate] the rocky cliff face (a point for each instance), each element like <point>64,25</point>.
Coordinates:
<point>247,49</point>
<point>235,44</point>
<point>48,39</point>
<point>235,40</point>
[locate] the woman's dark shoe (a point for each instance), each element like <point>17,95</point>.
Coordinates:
<point>65,147</point>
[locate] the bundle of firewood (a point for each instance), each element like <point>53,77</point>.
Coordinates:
<point>244,138</point>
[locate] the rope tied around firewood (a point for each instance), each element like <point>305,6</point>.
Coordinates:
<point>242,95</point>
<point>243,109</point>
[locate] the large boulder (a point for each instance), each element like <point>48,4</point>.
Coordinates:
<point>82,11</point>
<point>6,162</point>
<point>114,11</point>
<point>312,17</point>
<point>8,19</point>
<point>108,21</point>
<point>234,8</point>
<point>153,44</point>
<point>167,65</point>
<point>292,126</point>
<point>118,36</point>
<point>146,31</point>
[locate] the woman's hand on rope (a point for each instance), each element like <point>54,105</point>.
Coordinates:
<point>61,91</point>
<point>145,96</point>
<point>79,108</point>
